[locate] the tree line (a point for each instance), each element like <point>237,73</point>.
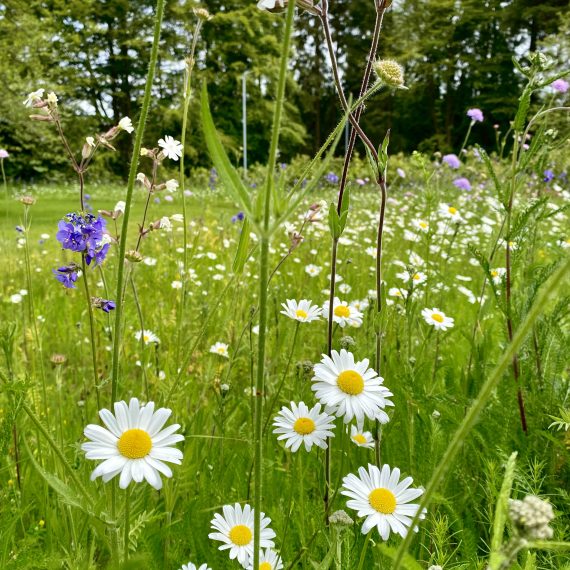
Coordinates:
<point>457,54</point>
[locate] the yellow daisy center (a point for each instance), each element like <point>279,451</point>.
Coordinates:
<point>359,438</point>
<point>437,317</point>
<point>240,535</point>
<point>134,444</point>
<point>342,311</point>
<point>350,382</point>
<point>304,426</point>
<point>265,566</point>
<point>146,338</point>
<point>383,501</point>
<point>416,277</point>
<point>423,225</point>
<point>302,315</point>
<point>494,273</point>
<point>452,210</point>
<point>221,350</point>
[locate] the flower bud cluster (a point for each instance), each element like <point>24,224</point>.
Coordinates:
<point>531,516</point>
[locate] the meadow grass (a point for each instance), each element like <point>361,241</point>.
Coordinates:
<point>47,523</point>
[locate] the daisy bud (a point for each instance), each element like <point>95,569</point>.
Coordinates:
<point>57,359</point>
<point>531,516</point>
<point>133,256</point>
<point>202,14</point>
<point>390,72</point>
<point>28,200</point>
<point>347,342</point>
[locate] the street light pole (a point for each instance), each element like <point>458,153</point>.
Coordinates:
<point>244,117</point>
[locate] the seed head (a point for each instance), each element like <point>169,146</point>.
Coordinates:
<point>202,14</point>
<point>58,359</point>
<point>133,256</point>
<point>28,200</point>
<point>531,516</point>
<point>390,72</point>
<point>341,518</point>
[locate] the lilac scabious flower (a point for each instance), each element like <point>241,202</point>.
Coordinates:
<point>462,184</point>
<point>560,85</point>
<point>452,161</point>
<point>67,275</point>
<point>332,178</point>
<point>548,175</point>
<point>476,115</point>
<point>213,179</point>
<point>84,233</point>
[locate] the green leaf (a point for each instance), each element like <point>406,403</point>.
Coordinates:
<point>225,168</point>
<point>241,253</point>
<point>491,170</point>
<point>334,222</point>
<point>409,563</point>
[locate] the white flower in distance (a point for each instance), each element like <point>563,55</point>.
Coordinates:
<point>33,97</point>
<point>343,313</point>
<point>382,499</point>
<point>312,270</point>
<point>268,560</point>
<point>125,124</point>
<point>52,99</point>
<point>498,274</point>
<point>272,5</point>
<point>450,212</point>
<point>421,225</point>
<point>134,444</point>
<point>302,311</point>
<point>147,336</point>
<point>299,425</point>
<point>437,319</point>
<point>220,348</point>
<point>90,141</point>
<point>171,147</point>
<point>350,389</point>
<point>235,530</point>
<point>361,438</point>
<point>191,566</point>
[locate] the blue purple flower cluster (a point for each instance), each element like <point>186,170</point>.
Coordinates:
<point>84,233</point>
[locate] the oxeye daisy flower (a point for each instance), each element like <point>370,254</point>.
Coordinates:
<point>343,313</point>
<point>421,225</point>
<point>312,270</point>
<point>191,566</point>
<point>361,438</point>
<point>147,336</point>
<point>382,498</point>
<point>450,212</point>
<point>220,348</point>
<point>235,530</point>
<point>268,560</point>
<point>302,311</point>
<point>437,319</point>
<point>299,425</point>
<point>350,389</point>
<point>170,147</point>
<point>498,274</point>
<point>134,444</point>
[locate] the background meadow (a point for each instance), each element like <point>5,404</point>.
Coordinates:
<point>444,249</point>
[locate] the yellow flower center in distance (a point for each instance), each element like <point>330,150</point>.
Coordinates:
<point>437,317</point>
<point>240,535</point>
<point>342,311</point>
<point>383,501</point>
<point>302,315</point>
<point>350,382</point>
<point>146,338</point>
<point>304,426</point>
<point>423,225</point>
<point>134,444</point>
<point>359,438</point>
<point>452,210</point>
<point>416,277</point>
<point>265,566</point>
<point>494,273</point>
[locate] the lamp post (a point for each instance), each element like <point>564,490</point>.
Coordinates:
<point>244,117</point>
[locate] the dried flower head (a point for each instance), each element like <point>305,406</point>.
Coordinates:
<point>341,518</point>
<point>57,359</point>
<point>531,516</point>
<point>28,200</point>
<point>133,256</point>
<point>202,14</point>
<point>390,72</point>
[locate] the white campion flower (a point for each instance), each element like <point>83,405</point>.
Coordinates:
<point>52,99</point>
<point>165,224</point>
<point>171,185</point>
<point>171,147</point>
<point>90,141</point>
<point>33,97</point>
<point>125,124</point>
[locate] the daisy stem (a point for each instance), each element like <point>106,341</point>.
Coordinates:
<point>363,551</point>
<point>544,295</point>
<point>141,324</point>
<point>128,199</point>
<point>127,522</point>
<point>264,281</point>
